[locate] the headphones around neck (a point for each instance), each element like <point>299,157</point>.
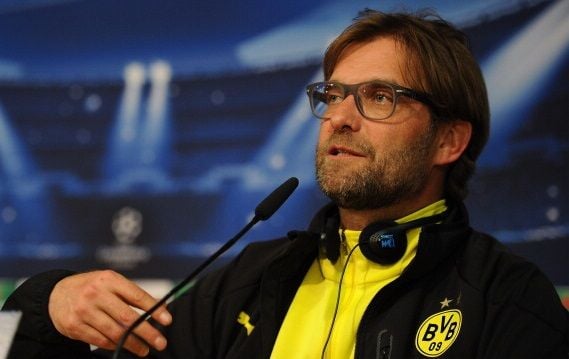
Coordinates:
<point>381,242</point>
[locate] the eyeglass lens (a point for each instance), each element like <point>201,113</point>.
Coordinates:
<point>375,100</point>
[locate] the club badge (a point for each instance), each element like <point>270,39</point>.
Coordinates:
<point>438,332</point>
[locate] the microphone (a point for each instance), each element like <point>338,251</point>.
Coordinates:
<point>263,211</point>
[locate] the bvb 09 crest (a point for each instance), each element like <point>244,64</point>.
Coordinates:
<point>438,332</point>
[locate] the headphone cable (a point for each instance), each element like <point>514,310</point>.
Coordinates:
<point>336,308</point>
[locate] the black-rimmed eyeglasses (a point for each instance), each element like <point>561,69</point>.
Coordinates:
<point>376,100</point>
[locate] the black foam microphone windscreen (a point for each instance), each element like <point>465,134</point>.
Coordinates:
<point>275,200</point>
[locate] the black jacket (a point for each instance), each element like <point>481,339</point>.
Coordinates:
<point>464,295</point>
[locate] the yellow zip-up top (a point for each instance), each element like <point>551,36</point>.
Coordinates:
<point>307,323</point>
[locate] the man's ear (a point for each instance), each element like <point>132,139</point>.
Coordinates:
<point>453,138</point>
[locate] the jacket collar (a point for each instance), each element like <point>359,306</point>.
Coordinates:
<point>436,242</point>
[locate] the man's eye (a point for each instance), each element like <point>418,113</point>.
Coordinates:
<point>332,98</point>
<point>381,97</point>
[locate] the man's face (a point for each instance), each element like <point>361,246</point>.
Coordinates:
<point>363,164</point>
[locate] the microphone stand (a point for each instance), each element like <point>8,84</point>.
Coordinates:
<point>263,211</point>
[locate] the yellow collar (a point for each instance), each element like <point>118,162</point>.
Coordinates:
<point>362,271</point>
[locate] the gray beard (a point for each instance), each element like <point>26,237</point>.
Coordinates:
<point>388,179</point>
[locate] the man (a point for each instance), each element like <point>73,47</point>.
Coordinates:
<point>390,269</point>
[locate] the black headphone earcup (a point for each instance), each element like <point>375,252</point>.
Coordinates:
<point>383,243</point>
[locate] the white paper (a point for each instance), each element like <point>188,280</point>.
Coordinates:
<point>8,324</point>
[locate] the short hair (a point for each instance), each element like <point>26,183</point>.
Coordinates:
<point>439,63</point>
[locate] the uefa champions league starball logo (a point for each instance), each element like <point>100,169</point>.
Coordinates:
<point>124,253</point>
<point>127,225</point>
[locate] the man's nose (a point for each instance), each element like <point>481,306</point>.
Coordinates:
<point>346,115</point>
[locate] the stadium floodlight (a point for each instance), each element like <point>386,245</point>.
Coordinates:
<point>121,146</point>
<point>154,132</point>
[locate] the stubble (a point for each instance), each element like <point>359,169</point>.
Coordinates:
<point>386,178</point>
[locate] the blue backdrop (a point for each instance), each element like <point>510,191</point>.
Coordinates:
<point>140,134</point>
